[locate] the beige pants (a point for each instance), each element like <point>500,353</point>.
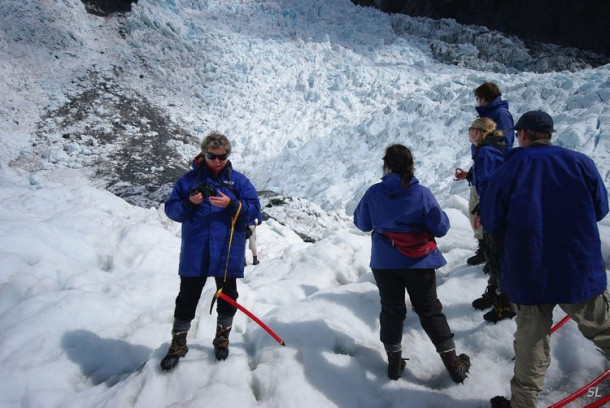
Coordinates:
<point>532,342</point>
<point>473,200</point>
<point>252,239</point>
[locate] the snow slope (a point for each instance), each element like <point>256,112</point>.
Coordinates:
<point>310,92</point>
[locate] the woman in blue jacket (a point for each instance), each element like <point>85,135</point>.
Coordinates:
<point>488,157</point>
<point>214,203</point>
<point>400,210</point>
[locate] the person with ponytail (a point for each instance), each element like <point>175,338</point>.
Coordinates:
<point>404,218</point>
<point>488,157</point>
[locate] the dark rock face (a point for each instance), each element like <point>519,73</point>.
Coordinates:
<point>107,7</point>
<point>131,145</point>
<point>571,23</point>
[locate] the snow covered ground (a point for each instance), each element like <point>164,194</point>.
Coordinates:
<point>310,92</point>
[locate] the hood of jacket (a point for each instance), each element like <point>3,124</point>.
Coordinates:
<point>497,142</point>
<point>485,111</point>
<point>392,185</point>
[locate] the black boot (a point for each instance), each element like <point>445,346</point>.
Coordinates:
<point>499,402</point>
<point>487,299</point>
<point>503,309</point>
<point>457,366</point>
<point>396,364</point>
<point>255,261</point>
<point>221,342</point>
<point>479,255</point>
<point>176,350</point>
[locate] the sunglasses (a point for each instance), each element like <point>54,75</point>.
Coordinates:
<point>212,156</point>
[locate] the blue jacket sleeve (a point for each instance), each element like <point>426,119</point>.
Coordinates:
<point>598,190</point>
<point>178,207</point>
<point>435,219</point>
<point>246,195</point>
<point>362,216</point>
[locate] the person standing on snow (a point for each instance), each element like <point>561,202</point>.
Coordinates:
<point>488,157</point>
<point>542,209</point>
<point>251,236</point>
<point>214,203</point>
<point>489,105</point>
<point>402,213</point>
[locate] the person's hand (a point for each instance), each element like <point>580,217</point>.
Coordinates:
<point>196,198</point>
<point>222,200</point>
<point>476,222</point>
<point>460,174</point>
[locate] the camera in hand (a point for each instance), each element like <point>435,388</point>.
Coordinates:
<point>205,189</point>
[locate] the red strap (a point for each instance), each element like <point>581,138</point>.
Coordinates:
<point>414,244</point>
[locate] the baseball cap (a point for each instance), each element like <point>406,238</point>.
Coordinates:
<point>536,121</point>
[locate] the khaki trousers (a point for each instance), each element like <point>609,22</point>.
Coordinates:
<point>532,342</point>
<point>252,240</point>
<point>473,200</point>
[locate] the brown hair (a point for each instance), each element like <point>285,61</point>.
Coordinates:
<point>215,140</point>
<point>488,91</point>
<point>398,159</point>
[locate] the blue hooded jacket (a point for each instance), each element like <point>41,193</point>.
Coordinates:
<point>497,110</point>
<point>546,201</point>
<point>206,229</point>
<point>389,207</point>
<point>488,157</point>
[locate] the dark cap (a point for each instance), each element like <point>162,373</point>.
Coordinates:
<point>536,121</point>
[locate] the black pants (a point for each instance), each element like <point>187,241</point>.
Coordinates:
<point>421,287</point>
<point>494,245</point>
<point>190,292</point>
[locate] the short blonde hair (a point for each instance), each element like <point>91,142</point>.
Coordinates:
<point>216,140</point>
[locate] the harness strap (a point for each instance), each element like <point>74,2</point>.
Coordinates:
<point>233,221</point>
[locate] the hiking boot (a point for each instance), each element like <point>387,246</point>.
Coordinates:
<point>499,402</point>
<point>396,364</point>
<point>255,261</point>
<point>487,299</point>
<point>457,366</point>
<point>176,350</point>
<point>221,342</point>
<point>479,255</point>
<point>502,310</point>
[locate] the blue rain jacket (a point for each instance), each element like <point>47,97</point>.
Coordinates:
<point>206,229</point>
<point>546,201</point>
<point>487,159</point>
<point>497,110</point>
<point>388,207</point>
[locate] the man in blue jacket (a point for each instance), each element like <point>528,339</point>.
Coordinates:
<point>214,203</point>
<point>544,204</point>
<point>490,105</point>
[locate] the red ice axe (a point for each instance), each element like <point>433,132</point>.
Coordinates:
<point>233,303</point>
<point>559,324</point>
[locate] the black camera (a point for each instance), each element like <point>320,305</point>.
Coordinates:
<point>205,189</point>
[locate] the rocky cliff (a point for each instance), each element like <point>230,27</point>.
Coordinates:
<point>572,23</point>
